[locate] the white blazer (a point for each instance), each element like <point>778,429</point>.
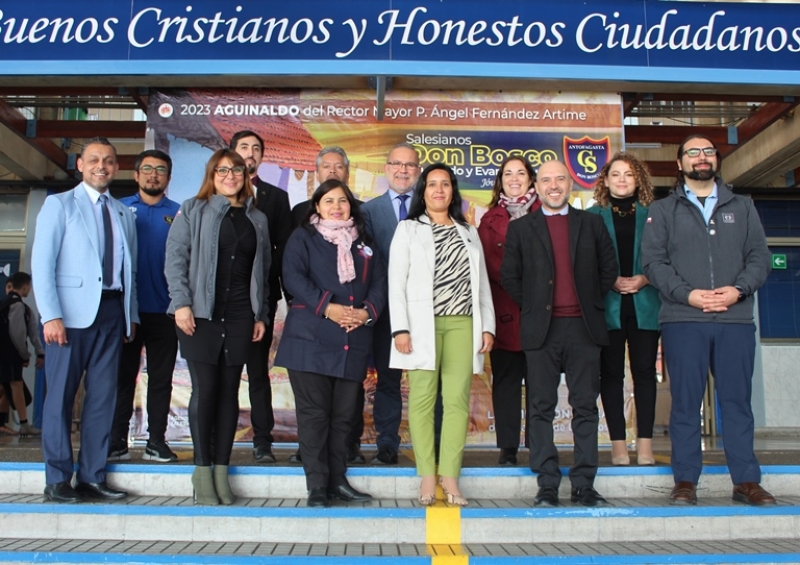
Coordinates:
<point>412,260</point>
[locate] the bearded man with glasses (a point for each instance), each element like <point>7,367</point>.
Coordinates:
<point>704,249</point>
<point>154,213</point>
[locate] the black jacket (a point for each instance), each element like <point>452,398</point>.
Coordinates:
<point>274,202</point>
<point>527,272</point>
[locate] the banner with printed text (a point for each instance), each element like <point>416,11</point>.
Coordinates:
<point>473,132</point>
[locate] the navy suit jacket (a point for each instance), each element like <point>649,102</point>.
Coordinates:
<point>66,264</point>
<point>380,222</point>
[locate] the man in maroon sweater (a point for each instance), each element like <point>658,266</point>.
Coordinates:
<point>559,263</point>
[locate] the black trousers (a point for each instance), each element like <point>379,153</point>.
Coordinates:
<point>156,333</point>
<point>568,348</point>
<point>387,412</point>
<point>642,350</point>
<point>262,417</point>
<point>325,408</point>
<point>508,374</point>
<point>213,409</point>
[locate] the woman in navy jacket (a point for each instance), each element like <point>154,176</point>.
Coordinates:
<point>338,289</point>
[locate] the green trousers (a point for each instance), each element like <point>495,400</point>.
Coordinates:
<point>454,367</point>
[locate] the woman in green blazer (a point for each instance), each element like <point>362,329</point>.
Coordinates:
<point>623,192</point>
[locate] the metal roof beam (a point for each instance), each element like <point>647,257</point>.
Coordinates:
<point>15,121</point>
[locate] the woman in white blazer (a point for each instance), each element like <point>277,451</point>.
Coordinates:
<point>442,322</point>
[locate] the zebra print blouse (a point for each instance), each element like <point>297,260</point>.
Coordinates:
<point>452,289</point>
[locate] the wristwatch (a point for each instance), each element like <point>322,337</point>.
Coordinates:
<point>369,321</point>
<point>742,295</point>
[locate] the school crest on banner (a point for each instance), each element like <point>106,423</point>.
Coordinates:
<point>585,157</point>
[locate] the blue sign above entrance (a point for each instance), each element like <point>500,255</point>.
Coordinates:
<point>421,37</point>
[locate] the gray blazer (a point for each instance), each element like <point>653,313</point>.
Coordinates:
<point>191,263</point>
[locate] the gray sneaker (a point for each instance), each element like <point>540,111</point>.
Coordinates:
<point>27,429</point>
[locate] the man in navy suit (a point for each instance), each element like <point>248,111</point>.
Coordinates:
<point>381,216</point>
<point>84,277</point>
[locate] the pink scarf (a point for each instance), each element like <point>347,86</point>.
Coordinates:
<point>519,206</point>
<point>342,233</point>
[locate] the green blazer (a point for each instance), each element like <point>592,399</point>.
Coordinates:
<point>646,302</point>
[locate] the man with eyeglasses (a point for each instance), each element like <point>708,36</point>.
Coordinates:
<point>704,249</point>
<point>381,216</point>
<point>274,203</point>
<point>154,214</point>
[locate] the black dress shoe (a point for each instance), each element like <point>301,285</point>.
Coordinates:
<point>263,454</point>
<point>318,498</point>
<point>354,455</point>
<point>295,458</point>
<point>508,456</point>
<point>99,490</point>
<point>547,496</point>
<point>62,493</point>
<point>348,493</point>
<point>587,496</point>
<point>385,456</point>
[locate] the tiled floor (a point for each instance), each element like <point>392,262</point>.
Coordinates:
<point>129,547</point>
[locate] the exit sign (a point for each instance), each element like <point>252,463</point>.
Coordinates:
<point>778,261</point>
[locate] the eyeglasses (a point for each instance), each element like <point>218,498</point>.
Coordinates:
<point>147,169</point>
<point>695,151</point>
<point>400,165</point>
<point>237,171</point>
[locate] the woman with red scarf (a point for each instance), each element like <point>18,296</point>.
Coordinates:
<point>513,196</point>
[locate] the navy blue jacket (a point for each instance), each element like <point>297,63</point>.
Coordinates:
<point>309,341</point>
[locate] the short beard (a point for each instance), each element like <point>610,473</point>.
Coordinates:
<point>701,175</point>
<point>152,191</point>
<point>251,169</point>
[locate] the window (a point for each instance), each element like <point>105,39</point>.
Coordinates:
<point>779,298</point>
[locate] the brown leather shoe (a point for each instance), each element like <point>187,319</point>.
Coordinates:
<point>752,494</point>
<point>683,493</point>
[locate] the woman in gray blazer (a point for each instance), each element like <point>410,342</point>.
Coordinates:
<point>217,267</point>
<point>442,317</point>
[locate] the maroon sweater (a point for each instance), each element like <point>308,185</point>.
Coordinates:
<point>565,297</point>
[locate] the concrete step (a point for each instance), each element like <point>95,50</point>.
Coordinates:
<point>400,521</point>
<point>283,482</point>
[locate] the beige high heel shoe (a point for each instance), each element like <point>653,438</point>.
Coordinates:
<point>456,499</point>
<point>619,452</point>
<point>427,499</point>
<point>644,452</point>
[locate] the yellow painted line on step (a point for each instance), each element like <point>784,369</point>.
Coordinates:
<point>443,529</point>
<point>442,524</point>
